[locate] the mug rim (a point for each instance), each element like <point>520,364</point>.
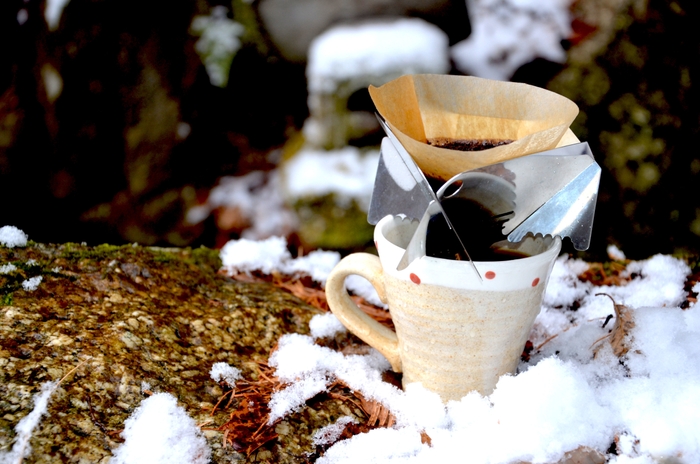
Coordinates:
<point>514,273</point>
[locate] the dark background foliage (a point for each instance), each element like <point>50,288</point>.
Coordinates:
<point>138,134</point>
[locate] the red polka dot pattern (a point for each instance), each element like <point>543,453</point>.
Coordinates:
<point>490,275</point>
<point>414,278</point>
<point>536,281</point>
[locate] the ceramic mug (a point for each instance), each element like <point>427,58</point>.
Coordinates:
<point>455,331</point>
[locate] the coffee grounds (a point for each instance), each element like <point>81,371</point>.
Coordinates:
<point>468,144</point>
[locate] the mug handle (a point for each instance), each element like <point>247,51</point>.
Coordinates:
<point>353,318</point>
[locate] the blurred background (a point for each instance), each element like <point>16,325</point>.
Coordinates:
<point>187,123</point>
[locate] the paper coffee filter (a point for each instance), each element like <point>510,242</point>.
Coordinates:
<point>421,107</point>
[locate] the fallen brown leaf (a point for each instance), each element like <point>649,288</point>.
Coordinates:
<point>620,333</point>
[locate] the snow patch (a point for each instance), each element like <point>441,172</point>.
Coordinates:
<point>221,371</point>
<point>507,34</point>
<point>11,236</point>
<point>376,49</point>
<point>331,433</point>
<point>325,325</point>
<point>346,172</point>
<point>160,431</point>
<point>32,283</point>
<point>26,426</point>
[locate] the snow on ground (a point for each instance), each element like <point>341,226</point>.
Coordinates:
<point>7,268</point>
<point>11,236</point>
<point>507,34</point>
<point>32,283</point>
<point>272,255</point>
<point>26,426</point>
<point>562,399</point>
<point>221,371</point>
<point>160,431</point>
<point>331,433</point>
<point>325,325</point>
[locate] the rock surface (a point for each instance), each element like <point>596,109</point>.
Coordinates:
<point>140,320</point>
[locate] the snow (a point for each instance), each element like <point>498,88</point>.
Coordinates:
<point>221,371</point>
<point>7,268</point>
<point>218,43</point>
<point>562,399</point>
<point>347,172</point>
<point>325,326</point>
<point>32,283</point>
<point>507,34</point>
<point>250,255</point>
<point>375,49</point>
<point>271,255</point>
<point>11,236</point>
<point>332,432</point>
<point>160,431</point>
<point>257,196</point>
<point>615,253</point>
<point>310,369</point>
<point>26,426</point>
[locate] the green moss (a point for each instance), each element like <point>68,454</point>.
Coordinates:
<point>326,224</point>
<point>202,257</point>
<point>77,252</point>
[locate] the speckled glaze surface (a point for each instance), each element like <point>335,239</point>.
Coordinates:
<point>454,332</point>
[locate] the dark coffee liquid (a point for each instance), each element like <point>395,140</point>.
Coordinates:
<point>476,226</point>
<point>467,144</point>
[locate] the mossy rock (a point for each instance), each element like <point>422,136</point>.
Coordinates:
<point>326,223</point>
<point>133,316</point>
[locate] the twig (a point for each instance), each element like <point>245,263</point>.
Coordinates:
<point>220,400</point>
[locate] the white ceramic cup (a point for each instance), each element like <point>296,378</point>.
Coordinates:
<point>455,332</point>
